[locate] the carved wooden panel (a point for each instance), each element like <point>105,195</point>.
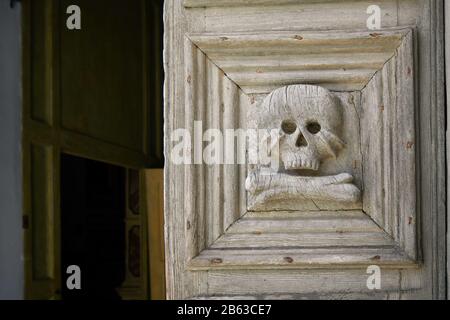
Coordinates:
<point>342,205</point>
<point>363,194</point>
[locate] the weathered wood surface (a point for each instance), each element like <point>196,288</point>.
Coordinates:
<point>447,73</point>
<point>425,280</point>
<point>303,221</point>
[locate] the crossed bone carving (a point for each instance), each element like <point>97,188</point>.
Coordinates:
<point>309,121</point>
<point>268,186</point>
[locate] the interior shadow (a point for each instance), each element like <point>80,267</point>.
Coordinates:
<point>92,227</point>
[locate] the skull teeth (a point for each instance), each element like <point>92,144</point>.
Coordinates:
<point>301,164</point>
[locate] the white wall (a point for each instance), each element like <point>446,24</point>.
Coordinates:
<point>11,267</point>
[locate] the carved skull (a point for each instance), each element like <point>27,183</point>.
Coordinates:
<point>308,119</point>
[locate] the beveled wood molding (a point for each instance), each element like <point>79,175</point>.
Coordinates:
<point>339,61</point>
<point>303,240</point>
<point>226,76</point>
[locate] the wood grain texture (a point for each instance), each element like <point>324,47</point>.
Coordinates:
<point>447,79</point>
<point>270,282</point>
<point>431,119</point>
<point>303,221</point>
<point>241,3</point>
<point>296,16</point>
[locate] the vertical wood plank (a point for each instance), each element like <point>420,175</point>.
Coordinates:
<point>406,146</point>
<point>190,218</point>
<point>200,115</point>
<point>447,72</point>
<point>154,189</point>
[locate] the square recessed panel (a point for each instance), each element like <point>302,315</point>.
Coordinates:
<point>372,74</point>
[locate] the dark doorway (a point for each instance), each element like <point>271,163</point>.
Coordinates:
<point>92,226</point>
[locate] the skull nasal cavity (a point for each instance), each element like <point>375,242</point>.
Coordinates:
<point>288,126</point>
<point>301,141</point>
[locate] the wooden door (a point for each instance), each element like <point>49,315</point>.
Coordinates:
<point>93,92</point>
<point>358,190</point>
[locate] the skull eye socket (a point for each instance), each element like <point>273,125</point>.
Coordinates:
<point>313,127</point>
<point>288,126</point>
